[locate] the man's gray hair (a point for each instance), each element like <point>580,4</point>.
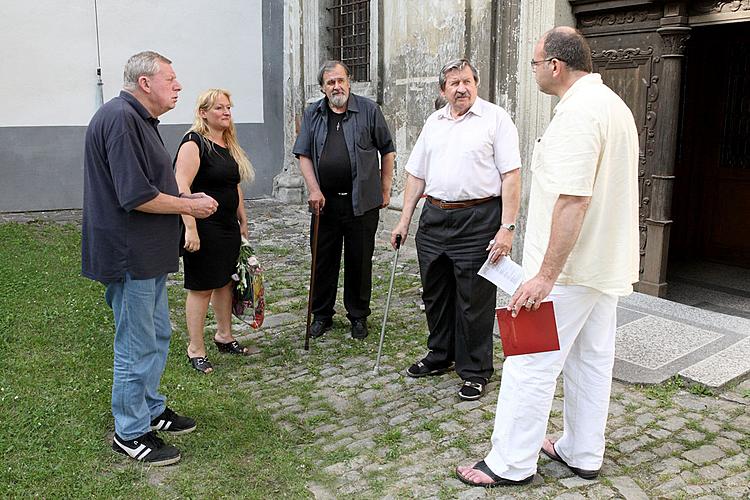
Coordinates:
<point>329,66</point>
<point>144,63</point>
<point>457,65</point>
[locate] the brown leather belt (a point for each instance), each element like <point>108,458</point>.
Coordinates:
<point>458,204</point>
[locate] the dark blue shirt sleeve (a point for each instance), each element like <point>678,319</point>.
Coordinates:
<point>129,171</point>
<point>302,144</point>
<point>381,135</point>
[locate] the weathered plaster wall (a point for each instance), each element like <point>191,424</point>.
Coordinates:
<point>480,42</point>
<point>288,185</point>
<point>418,37</point>
<point>534,109</point>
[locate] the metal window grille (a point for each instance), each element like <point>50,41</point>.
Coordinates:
<point>350,30</point>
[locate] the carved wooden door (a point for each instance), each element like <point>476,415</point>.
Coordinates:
<point>628,66</point>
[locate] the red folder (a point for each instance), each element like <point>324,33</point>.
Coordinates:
<point>529,331</point>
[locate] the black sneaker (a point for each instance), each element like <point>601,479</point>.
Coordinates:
<point>169,421</point>
<point>320,326</point>
<point>149,449</point>
<point>359,328</point>
<point>421,369</point>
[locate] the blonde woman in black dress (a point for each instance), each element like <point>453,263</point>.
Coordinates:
<point>210,160</point>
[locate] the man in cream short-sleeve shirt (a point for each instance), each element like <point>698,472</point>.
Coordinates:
<point>466,160</point>
<point>580,252</point>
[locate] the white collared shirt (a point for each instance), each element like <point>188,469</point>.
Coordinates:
<point>462,158</point>
<point>590,148</point>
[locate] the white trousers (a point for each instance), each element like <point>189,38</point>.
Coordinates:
<point>586,324</point>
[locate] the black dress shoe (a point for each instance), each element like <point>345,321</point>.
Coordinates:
<point>359,328</point>
<point>320,326</point>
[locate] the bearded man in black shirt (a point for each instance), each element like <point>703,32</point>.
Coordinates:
<point>346,156</point>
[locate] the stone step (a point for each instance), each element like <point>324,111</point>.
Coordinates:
<point>727,366</point>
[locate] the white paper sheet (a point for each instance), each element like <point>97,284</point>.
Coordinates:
<point>505,274</point>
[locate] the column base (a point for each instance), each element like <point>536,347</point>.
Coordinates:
<point>655,289</point>
<point>654,277</point>
<point>289,188</point>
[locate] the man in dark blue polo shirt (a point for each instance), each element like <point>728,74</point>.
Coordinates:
<point>341,138</point>
<point>130,241</point>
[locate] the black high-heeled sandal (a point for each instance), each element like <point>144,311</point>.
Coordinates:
<point>232,347</point>
<point>201,363</point>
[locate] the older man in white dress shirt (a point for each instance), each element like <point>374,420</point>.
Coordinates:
<point>466,160</point>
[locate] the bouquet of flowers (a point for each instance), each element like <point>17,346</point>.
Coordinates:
<point>248,302</point>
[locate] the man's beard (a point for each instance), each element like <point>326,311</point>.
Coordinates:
<point>339,100</point>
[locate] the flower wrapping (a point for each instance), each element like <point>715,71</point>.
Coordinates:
<point>248,302</point>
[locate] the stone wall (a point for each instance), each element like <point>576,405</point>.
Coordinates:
<point>415,40</point>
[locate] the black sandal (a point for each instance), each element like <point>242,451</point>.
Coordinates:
<point>232,347</point>
<point>471,390</point>
<point>582,473</point>
<point>496,480</point>
<point>201,363</point>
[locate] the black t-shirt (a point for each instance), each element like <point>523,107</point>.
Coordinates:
<point>126,165</point>
<point>367,139</point>
<point>334,167</point>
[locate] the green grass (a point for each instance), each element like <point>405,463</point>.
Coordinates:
<point>56,370</point>
<point>745,443</point>
<point>55,378</point>
<point>664,392</point>
<point>701,390</point>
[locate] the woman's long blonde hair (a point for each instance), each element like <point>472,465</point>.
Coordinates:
<point>205,102</point>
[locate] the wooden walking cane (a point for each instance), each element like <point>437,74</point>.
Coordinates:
<point>316,225</point>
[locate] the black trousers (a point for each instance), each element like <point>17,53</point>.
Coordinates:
<point>460,305</point>
<point>339,226</point>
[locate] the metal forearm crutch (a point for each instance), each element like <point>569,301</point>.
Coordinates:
<point>316,225</point>
<point>387,304</point>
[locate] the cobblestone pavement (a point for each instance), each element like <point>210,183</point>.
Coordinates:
<point>386,435</point>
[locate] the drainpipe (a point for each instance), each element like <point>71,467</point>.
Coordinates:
<point>99,82</point>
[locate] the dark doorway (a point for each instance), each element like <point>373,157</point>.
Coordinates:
<point>710,240</point>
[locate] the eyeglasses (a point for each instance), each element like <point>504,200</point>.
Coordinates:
<point>535,63</point>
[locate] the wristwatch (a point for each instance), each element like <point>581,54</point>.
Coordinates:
<point>510,227</point>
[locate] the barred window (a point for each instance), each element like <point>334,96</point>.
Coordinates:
<point>350,36</point>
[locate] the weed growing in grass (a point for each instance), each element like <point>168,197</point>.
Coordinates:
<point>272,250</point>
<point>430,425</point>
<point>663,393</point>
<point>389,438</point>
<point>700,390</point>
<point>317,420</point>
<point>461,442</point>
<point>424,401</point>
<point>339,455</point>
<point>447,492</point>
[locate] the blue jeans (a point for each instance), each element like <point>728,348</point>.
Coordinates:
<point>142,333</point>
